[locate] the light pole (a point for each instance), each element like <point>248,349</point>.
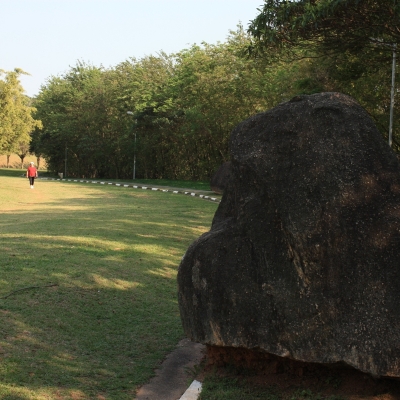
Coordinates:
<point>393,47</point>
<point>392,95</point>
<point>134,147</point>
<point>65,166</point>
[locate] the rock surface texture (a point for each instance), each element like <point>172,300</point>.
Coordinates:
<point>302,259</point>
<point>220,179</point>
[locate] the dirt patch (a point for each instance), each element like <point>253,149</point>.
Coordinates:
<point>288,376</point>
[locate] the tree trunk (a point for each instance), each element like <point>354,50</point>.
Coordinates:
<point>22,161</point>
<point>8,160</point>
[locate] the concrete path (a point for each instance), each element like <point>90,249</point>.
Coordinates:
<point>173,378</point>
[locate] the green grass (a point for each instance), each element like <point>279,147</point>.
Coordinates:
<point>113,254</point>
<point>229,388</point>
<point>12,172</point>
<point>217,388</point>
<point>196,185</point>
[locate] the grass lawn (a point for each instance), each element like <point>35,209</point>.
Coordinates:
<point>228,388</point>
<point>196,185</point>
<point>96,265</point>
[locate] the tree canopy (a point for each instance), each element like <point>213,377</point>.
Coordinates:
<point>332,26</point>
<point>184,107</point>
<point>351,41</point>
<point>16,120</point>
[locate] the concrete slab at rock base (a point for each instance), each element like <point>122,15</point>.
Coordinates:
<point>171,380</point>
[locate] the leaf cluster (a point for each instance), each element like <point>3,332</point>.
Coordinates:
<point>16,120</point>
<point>331,26</point>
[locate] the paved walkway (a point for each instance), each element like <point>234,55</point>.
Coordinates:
<point>175,374</point>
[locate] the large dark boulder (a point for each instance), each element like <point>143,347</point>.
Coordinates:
<point>303,260</point>
<point>220,179</point>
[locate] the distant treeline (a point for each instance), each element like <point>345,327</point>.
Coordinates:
<point>182,107</point>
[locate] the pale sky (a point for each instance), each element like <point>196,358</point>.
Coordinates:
<point>46,37</point>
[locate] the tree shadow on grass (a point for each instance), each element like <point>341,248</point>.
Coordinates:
<point>114,313</point>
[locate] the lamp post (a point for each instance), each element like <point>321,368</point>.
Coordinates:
<point>65,166</point>
<point>134,147</point>
<point>393,47</point>
<point>392,91</point>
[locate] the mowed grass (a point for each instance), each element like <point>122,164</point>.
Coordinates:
<point>112,254</point>
<point>196,185</point>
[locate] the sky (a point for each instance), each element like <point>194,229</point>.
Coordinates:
<point>47,37</point>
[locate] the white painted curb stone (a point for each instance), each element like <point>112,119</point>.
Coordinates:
<point>193,391</point>
<point>193,194</point>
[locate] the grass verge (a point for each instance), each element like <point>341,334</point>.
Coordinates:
<point>88,301</point>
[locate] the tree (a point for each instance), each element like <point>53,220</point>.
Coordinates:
<point>187,104</point>
<point>352,39</point>
<point>35,145</point>
<point>331,26</point>
<point>82,123</point>
<point>22,151</point>
<point>184,106</point>
<point>16,120</point>
<point>145,88</point>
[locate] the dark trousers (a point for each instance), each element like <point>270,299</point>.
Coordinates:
<point>31,180</point>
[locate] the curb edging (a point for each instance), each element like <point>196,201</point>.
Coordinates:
<point>193,194</point>
<point>192,392</point>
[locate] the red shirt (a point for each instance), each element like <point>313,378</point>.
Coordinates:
<point>32,172</point>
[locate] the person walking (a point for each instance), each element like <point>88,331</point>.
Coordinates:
<point>31,173</point>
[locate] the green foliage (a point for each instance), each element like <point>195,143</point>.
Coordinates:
<point>16,121</point>
<point>332,26</point>
<point>183,108</point>
<point>81,123</point>
<point>349,43</point>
